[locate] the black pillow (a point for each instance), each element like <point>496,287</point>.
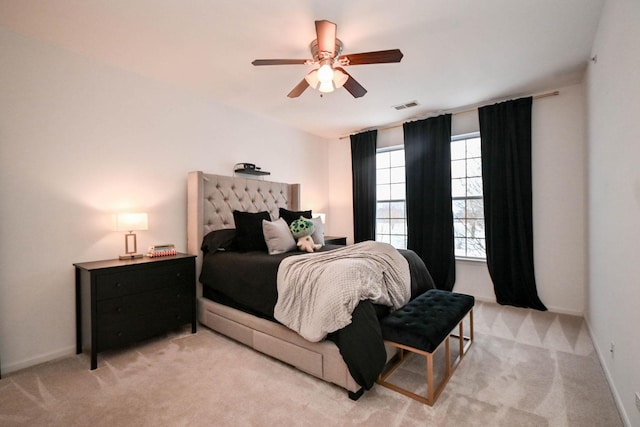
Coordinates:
<point>290,216</point>
<point>218,240</point>
<point>249,235</point>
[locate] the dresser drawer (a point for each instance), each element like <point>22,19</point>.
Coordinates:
<point>132,329</point>
<point>169,275</point>
<point>110,285</point>
<point>146,302</point>
<point>140,280</point>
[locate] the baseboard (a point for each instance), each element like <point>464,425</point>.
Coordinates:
<point>560,310</point>
<point>42,358</point>
<point>484,299</point>
<point>552,309</point>
<point>607,374</point>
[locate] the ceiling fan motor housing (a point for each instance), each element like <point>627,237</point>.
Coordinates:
<point>318,56</point>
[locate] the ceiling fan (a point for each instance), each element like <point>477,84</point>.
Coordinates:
<point>329,75</point>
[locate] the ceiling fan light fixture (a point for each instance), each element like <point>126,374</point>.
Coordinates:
<point>338,80</point>
<point>326,87</point>
<point>325,72</point>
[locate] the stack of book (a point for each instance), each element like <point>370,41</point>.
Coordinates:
<point>161,250</point>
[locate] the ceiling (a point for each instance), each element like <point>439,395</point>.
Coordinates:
<point>457,53</point>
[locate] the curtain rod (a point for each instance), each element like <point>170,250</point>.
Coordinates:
<point>454,111</point>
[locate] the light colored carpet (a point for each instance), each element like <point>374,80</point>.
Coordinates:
<point>525,368</point>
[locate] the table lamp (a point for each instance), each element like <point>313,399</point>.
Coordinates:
<point>131,222</point>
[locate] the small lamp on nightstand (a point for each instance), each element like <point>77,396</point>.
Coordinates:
<point>131,222</point>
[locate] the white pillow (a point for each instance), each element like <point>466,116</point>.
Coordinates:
<point>318,232</point>
<point>278,236</point>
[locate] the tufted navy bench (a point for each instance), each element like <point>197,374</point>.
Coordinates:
<point>421,327</point>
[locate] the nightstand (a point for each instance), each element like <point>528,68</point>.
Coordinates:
<point>335,240</point>
<point>121,302</point>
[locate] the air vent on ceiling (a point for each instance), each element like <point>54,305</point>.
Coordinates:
<point>407,105</point>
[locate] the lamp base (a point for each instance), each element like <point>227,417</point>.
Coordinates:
<point>131,256</point>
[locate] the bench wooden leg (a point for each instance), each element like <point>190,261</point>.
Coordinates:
<point>430,391</point>
<point>461,341</point>
<point>464,341</point>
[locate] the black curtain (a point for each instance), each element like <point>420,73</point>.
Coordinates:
<point>427,148</point>
<point>363,171</point>
<point>505,131</point>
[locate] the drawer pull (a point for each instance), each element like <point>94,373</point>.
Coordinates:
<point>119,334</point>
<point>118,285</point>
<point>119,309</point>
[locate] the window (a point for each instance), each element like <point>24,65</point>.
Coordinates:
<point>391,220</point>
<point>466,193</point>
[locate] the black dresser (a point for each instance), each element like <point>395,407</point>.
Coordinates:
<point>121,302</point>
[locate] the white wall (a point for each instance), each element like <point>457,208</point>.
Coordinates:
<point>559,200</point>
<point>80,140</point>
<point>340,215</point>
<point>614,199</point>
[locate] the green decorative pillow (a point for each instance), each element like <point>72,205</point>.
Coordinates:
<point>302,227</point>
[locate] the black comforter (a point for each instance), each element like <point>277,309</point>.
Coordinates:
<point>247,281</point>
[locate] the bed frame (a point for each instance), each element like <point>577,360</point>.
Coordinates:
<point>211,200</point>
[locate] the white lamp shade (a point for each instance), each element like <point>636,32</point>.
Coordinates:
<point>339,78</point>
<point>326,87</point>
<point>131,221</point>
<point>312,79</point>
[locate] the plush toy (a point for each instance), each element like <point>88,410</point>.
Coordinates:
<point>302,229</point>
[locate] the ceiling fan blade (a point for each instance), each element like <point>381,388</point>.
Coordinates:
<point>279,62</point>
<point>300,87</point>
<point>326,34</point>
<point>351,85</point>
<point>378,57</point>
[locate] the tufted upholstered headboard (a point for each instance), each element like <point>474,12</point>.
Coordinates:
<point>211,200</point>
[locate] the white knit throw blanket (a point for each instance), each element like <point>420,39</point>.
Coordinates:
<point>318,292</point>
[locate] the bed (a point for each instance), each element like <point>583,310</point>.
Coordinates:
<point>238,302</point>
